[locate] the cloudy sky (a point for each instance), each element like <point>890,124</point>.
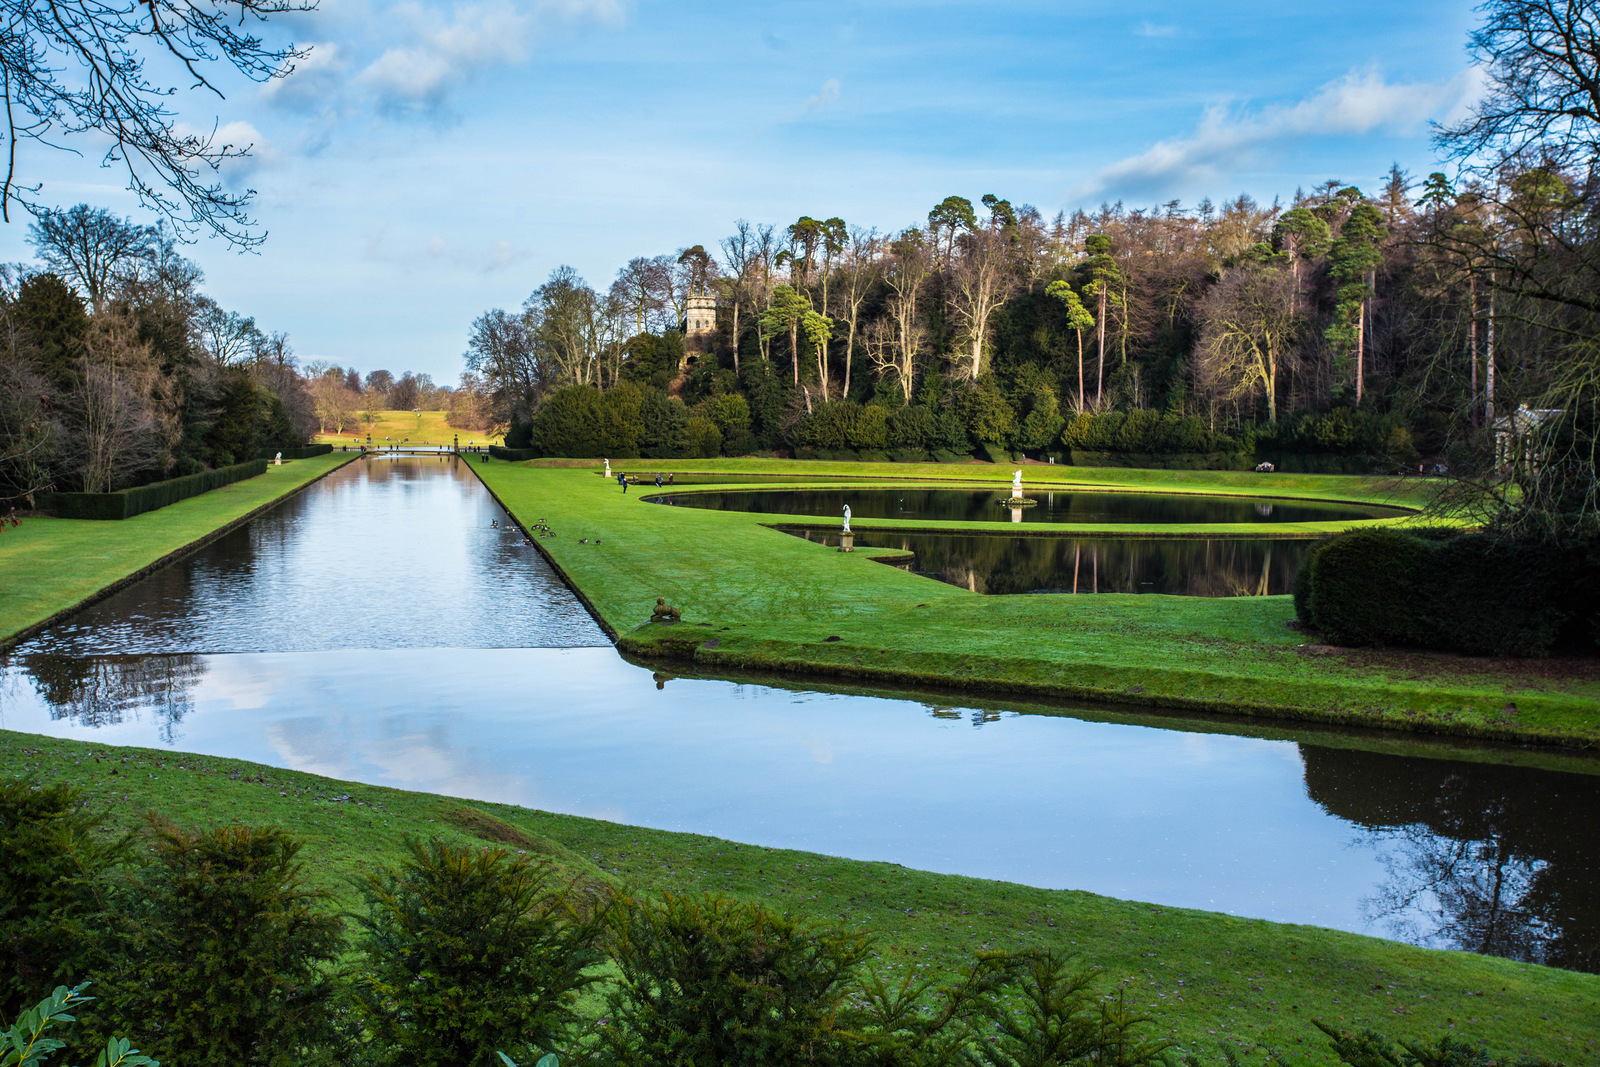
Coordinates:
<point>430,160</point>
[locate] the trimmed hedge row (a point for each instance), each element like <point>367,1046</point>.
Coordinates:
<point>131,502</point>
<point>1179,461</point>
<point>1454,592</point>
<point>303,452</point>
<point>515,455</point>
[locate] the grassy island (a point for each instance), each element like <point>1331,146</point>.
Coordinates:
<point>754,598</point>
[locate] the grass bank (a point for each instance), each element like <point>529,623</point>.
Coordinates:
<point>1207,979</point>
<point>49,566</point>
<point>754,598</point>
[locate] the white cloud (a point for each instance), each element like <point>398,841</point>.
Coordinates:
<point>825,96</point>
<point>1357,104</point>
<point>315,82</point>
<point>444,52</point>
<point>1150,29</point>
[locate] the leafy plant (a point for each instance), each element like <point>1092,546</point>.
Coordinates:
<point>25,1043</point>
<point>54,875</point>
<point>712,981</point>
<point>220,953</point>
<point>1062,1021</point>
<point>469,951</point>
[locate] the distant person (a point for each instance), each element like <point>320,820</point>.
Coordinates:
<point>622,480</point>
<point>658,479</point>
<point>670,477</point>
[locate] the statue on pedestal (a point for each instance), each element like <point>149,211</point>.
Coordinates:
<point>847,518</point>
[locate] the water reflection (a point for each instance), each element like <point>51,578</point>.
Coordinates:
<point>1437,852</point>
<point>988,563</point>
<point>387,552</point>
<point>1499,860</point>
<point>1055,506</point>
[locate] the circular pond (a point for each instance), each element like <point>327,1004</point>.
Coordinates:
<point>1067,506</point>
<point>994,563</point>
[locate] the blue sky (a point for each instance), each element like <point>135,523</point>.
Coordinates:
<point>431,160</point>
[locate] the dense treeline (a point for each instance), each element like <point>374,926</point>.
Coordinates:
<point>117,370</point>
<point>209,947</point>
<point>1151,331</point>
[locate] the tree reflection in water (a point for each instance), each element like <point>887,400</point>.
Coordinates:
<point>985,563</point>
<point>1492,859</point>
<point>107,690</point>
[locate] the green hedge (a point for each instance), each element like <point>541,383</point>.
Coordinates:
<point>303,452</point>
<point>130,502</point>
<point>515,455</point>
<point>1178,461</point>
<point>1455,592</point>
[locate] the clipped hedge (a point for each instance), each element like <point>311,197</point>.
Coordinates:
<point>130,502</point>
<point>303,452</point>
<point>1454,592</point>
<point>515,455</point>
<point>1178,461</point>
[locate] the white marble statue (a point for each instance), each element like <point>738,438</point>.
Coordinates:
<point>608,470</point>
<point>847,518</point>
<point>1016,484</point>
<point>278,460</point>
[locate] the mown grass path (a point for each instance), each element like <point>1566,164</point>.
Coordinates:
<point>50,565</point>
<point>754,598</point>
<point>1207,979</point>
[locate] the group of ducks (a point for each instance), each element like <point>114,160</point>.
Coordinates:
<point>541,526</point>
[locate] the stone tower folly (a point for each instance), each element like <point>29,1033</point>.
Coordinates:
<point>700,322</point>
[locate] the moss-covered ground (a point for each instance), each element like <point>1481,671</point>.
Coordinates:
<point>755,598</point>
<point>1206,979</point>
<point>50,565</point>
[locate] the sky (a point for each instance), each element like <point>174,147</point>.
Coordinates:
<point>430,160</point>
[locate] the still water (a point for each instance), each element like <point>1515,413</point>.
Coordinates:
<point>993,563</point>
<point>989,505</point>
<point>409,662</point>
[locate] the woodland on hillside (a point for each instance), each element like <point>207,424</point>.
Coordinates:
<point>1401,327</point>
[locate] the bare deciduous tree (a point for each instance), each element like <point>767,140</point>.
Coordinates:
<point>1248,330</point>
<point>981,280</point>
<point>90,246</point>
<point>77,71</point>
<point>112,430</point>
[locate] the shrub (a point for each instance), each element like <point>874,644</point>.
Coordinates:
<point>712,981</point>
<point>730,412</point>
<point>1063,1020</point>
<point>54,872</point>
<point>1457,592</point>
<point>583,423</point>
<point>664,425</point>
<point>871,429</point>
<point>911,427</point>
<point>908,455</point>
<point>127,503</point>
<point>218,954</point>
<point>828,426</point>
<point>470,952</point>
<point>705,440</point>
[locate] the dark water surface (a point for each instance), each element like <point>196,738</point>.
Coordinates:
<point>378,598</point>
<point>994,563</point>
<point>979,505</point>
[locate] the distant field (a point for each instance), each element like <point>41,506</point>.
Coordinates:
<point>421,427</point>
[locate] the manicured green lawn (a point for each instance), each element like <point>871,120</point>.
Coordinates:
<point>1207,978</point>
<point>48,564</point>
<point>421,427</point>
<point>755,598</point>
